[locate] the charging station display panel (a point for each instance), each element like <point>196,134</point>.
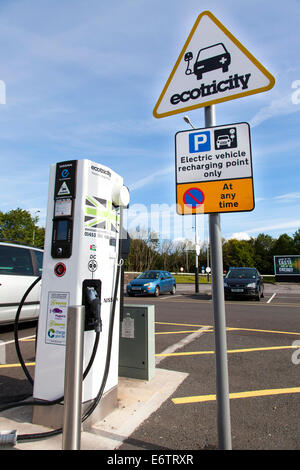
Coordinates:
<point>62,230</point>
<point>64,196</point>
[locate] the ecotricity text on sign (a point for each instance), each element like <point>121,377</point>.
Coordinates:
<point>213,88</point>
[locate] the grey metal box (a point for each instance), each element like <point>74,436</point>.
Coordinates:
<point>137,342</point>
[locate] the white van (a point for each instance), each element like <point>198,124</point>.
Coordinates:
<point>20,265</point>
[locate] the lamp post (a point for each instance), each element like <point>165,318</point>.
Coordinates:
<point>197,246</point>
<point>33,234</point>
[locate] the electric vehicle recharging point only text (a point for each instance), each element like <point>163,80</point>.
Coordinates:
<point>79,268</point>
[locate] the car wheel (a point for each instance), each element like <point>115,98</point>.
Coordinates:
<point>156,292</point>
<point>173,290</point>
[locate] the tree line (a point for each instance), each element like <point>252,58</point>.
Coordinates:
<point>20,226</point>
<point>147,251</point>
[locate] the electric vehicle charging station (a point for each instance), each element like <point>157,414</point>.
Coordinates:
<point>79,268</point>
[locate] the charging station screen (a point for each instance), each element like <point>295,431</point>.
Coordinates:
<point>62,230</point>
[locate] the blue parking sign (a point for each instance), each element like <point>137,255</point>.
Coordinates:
<point>199,142</point>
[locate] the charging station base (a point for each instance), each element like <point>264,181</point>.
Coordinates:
<point>136,361</point>
<point>53,416</point>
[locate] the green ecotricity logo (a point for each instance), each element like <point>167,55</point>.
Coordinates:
<point>100,214</point>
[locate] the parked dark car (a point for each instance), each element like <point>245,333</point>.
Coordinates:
<point>243,282</point>
<point>152,282</point>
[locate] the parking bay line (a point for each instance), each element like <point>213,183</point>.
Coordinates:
<point>25,338</point>
<point>271,298</point>
<point>263,331</point>
<point>229,328</point>
<point>182,324</point>
<point>6,366</point>
<point>179,332</point>
<point>248,394</point>
<point>229,351</point>
<point>168,298</point>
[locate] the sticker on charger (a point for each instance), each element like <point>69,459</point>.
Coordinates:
<point>57,311</point>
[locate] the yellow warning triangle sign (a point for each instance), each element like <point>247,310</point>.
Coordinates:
<point>212,67</point>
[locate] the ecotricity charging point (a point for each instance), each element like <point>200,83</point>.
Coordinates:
<point>79,268</point>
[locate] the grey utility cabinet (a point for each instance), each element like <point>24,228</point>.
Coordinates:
<point>137,342</point>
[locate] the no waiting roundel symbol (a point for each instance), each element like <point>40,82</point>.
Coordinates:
<point>193,197</point>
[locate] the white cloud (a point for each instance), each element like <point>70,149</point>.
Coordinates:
<point>276,225</point>
<point>277,107</point>
<point>240,236</point>
<point>288,197</point>
<point>148,179</point>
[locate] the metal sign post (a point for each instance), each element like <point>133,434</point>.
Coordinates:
<point>197,253</point>
<point>224,426</point>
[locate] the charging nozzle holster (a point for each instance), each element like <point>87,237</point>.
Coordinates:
<point>91,299</point>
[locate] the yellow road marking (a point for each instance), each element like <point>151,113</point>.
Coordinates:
<point>264,331</point>
<point>3,366</point>
<point>177,332</point>
<point>229,328</point>
<point>249,394</point>
<point>181,324</point>
<point>229,351</point>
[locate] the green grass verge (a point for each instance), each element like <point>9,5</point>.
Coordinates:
<point>190,279</point>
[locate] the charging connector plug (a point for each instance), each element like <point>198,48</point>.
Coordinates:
<point>8,438</point>
<point>94,302</point>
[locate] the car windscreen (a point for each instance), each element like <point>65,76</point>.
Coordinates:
<point>15,261</point>
<point>148,275</point>
<point>241,274</point>
<point>210,52</point>
<point>39,258</point>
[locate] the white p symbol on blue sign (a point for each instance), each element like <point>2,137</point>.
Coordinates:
<point>199,141</point>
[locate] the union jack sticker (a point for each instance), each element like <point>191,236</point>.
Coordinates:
<point>101,214</point>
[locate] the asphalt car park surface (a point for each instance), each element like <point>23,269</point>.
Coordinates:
<point>263,364</point>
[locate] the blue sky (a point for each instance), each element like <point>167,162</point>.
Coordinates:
<point>82,79</point>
